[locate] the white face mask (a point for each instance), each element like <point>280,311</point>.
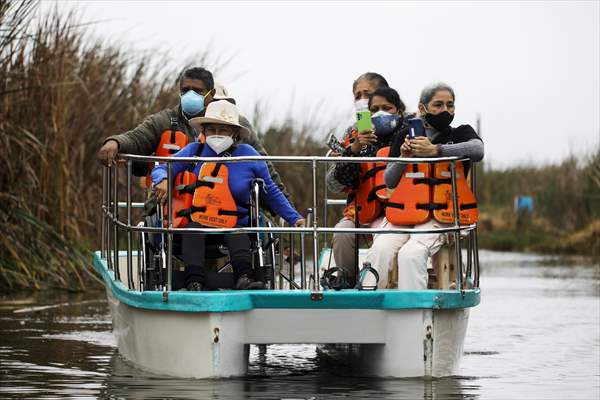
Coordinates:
<point>380,113</point>
<point>219,143</point>
<point>361,105</point>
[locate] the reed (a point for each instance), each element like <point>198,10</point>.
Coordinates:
<point>60,96</point>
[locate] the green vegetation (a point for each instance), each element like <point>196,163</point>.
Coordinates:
<point>566,217</point>
<point>62,93</point>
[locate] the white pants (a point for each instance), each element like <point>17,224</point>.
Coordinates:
<point>412,251</point>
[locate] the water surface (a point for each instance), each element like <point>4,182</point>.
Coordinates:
<point>535,335</point>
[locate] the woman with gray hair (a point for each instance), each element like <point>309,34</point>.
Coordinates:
<point>436,109</point>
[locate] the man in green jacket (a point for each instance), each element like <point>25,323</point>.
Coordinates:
<point>197,89</point>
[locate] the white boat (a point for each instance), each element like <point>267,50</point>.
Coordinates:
<point>207,334</point>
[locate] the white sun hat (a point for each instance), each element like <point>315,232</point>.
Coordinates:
<point>220,112</point>
<point>222,94</point>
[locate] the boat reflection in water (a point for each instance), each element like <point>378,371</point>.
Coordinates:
<point>284,372</point>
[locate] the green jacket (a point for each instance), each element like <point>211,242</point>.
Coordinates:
<point>144,139</point>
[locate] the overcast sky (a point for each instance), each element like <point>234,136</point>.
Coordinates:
<point>531,69</point>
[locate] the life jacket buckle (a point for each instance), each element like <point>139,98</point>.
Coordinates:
<point>169,146</point>
<point>213,179</point>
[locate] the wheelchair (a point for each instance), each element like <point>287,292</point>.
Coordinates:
<point>219,272</point>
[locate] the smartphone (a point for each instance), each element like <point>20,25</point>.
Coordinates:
<point>415,128</point>
<point>363,121</point>
<point>334,144</point>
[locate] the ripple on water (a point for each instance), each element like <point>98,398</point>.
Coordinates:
<point>102,338</point>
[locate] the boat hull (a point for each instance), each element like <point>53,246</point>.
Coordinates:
<point>207,334</point>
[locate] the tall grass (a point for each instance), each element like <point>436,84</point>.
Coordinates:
<point>61,94</point>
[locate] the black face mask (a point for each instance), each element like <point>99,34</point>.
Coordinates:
<point>439,121</point>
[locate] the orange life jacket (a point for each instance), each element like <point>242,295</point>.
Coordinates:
<point>213,204</point>
<point>369,206</point>
<point>183,191</point>
<point>426,188</point>
<point>443,209</point>
<point>171,141</point>
<point>380,167</point>
<point>365,195</point>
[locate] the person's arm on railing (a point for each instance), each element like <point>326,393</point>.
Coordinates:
<point>473,149</point>
<point>141,140</point>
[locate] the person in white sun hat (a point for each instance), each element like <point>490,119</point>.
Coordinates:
<point>222,193</point>
<point>222,94</point>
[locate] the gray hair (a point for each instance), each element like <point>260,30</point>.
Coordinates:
<point>429,91</point>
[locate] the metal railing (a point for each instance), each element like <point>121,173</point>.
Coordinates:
<point>112,222</point>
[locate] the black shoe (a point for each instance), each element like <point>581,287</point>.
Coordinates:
<point>194,286</point>
<point>244,282</point>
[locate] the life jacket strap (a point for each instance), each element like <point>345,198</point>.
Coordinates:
<point>174,125</point>
<point>186,212</point>
<point>432,181</point>
<point>373,193</point>
<point>192,187</point>
<point>239,214</point>
<point>468,206</point>
<point>436,206</point>
<point>395,205</point>
<point>372,172</point>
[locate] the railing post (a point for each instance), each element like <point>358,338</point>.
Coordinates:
<point>108,220</point>
<point>103,216</point>
<point>256,216</point>
<point>459,285</point>
<point>302,261</point>
<point>316,286</point>
<point>170,225</point>
<point>130,283</point>
<point>292,262</point>
<point>279,276</point>
<point>474,232</point>
<point>141,256</point>
<point>115,168</point>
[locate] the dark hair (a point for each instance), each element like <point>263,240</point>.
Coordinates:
<point>371,76</point>
<point>199,73</point>
<point>390,95</point>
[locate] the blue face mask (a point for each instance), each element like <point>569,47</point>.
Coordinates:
<point>192,103</point>
<point>385,123</point>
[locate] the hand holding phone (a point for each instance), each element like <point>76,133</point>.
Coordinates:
<point>415,128</point>
<point>363,121</point>
<point>334,144</point>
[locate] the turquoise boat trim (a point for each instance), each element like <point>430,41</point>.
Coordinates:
<point>231,301</point>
